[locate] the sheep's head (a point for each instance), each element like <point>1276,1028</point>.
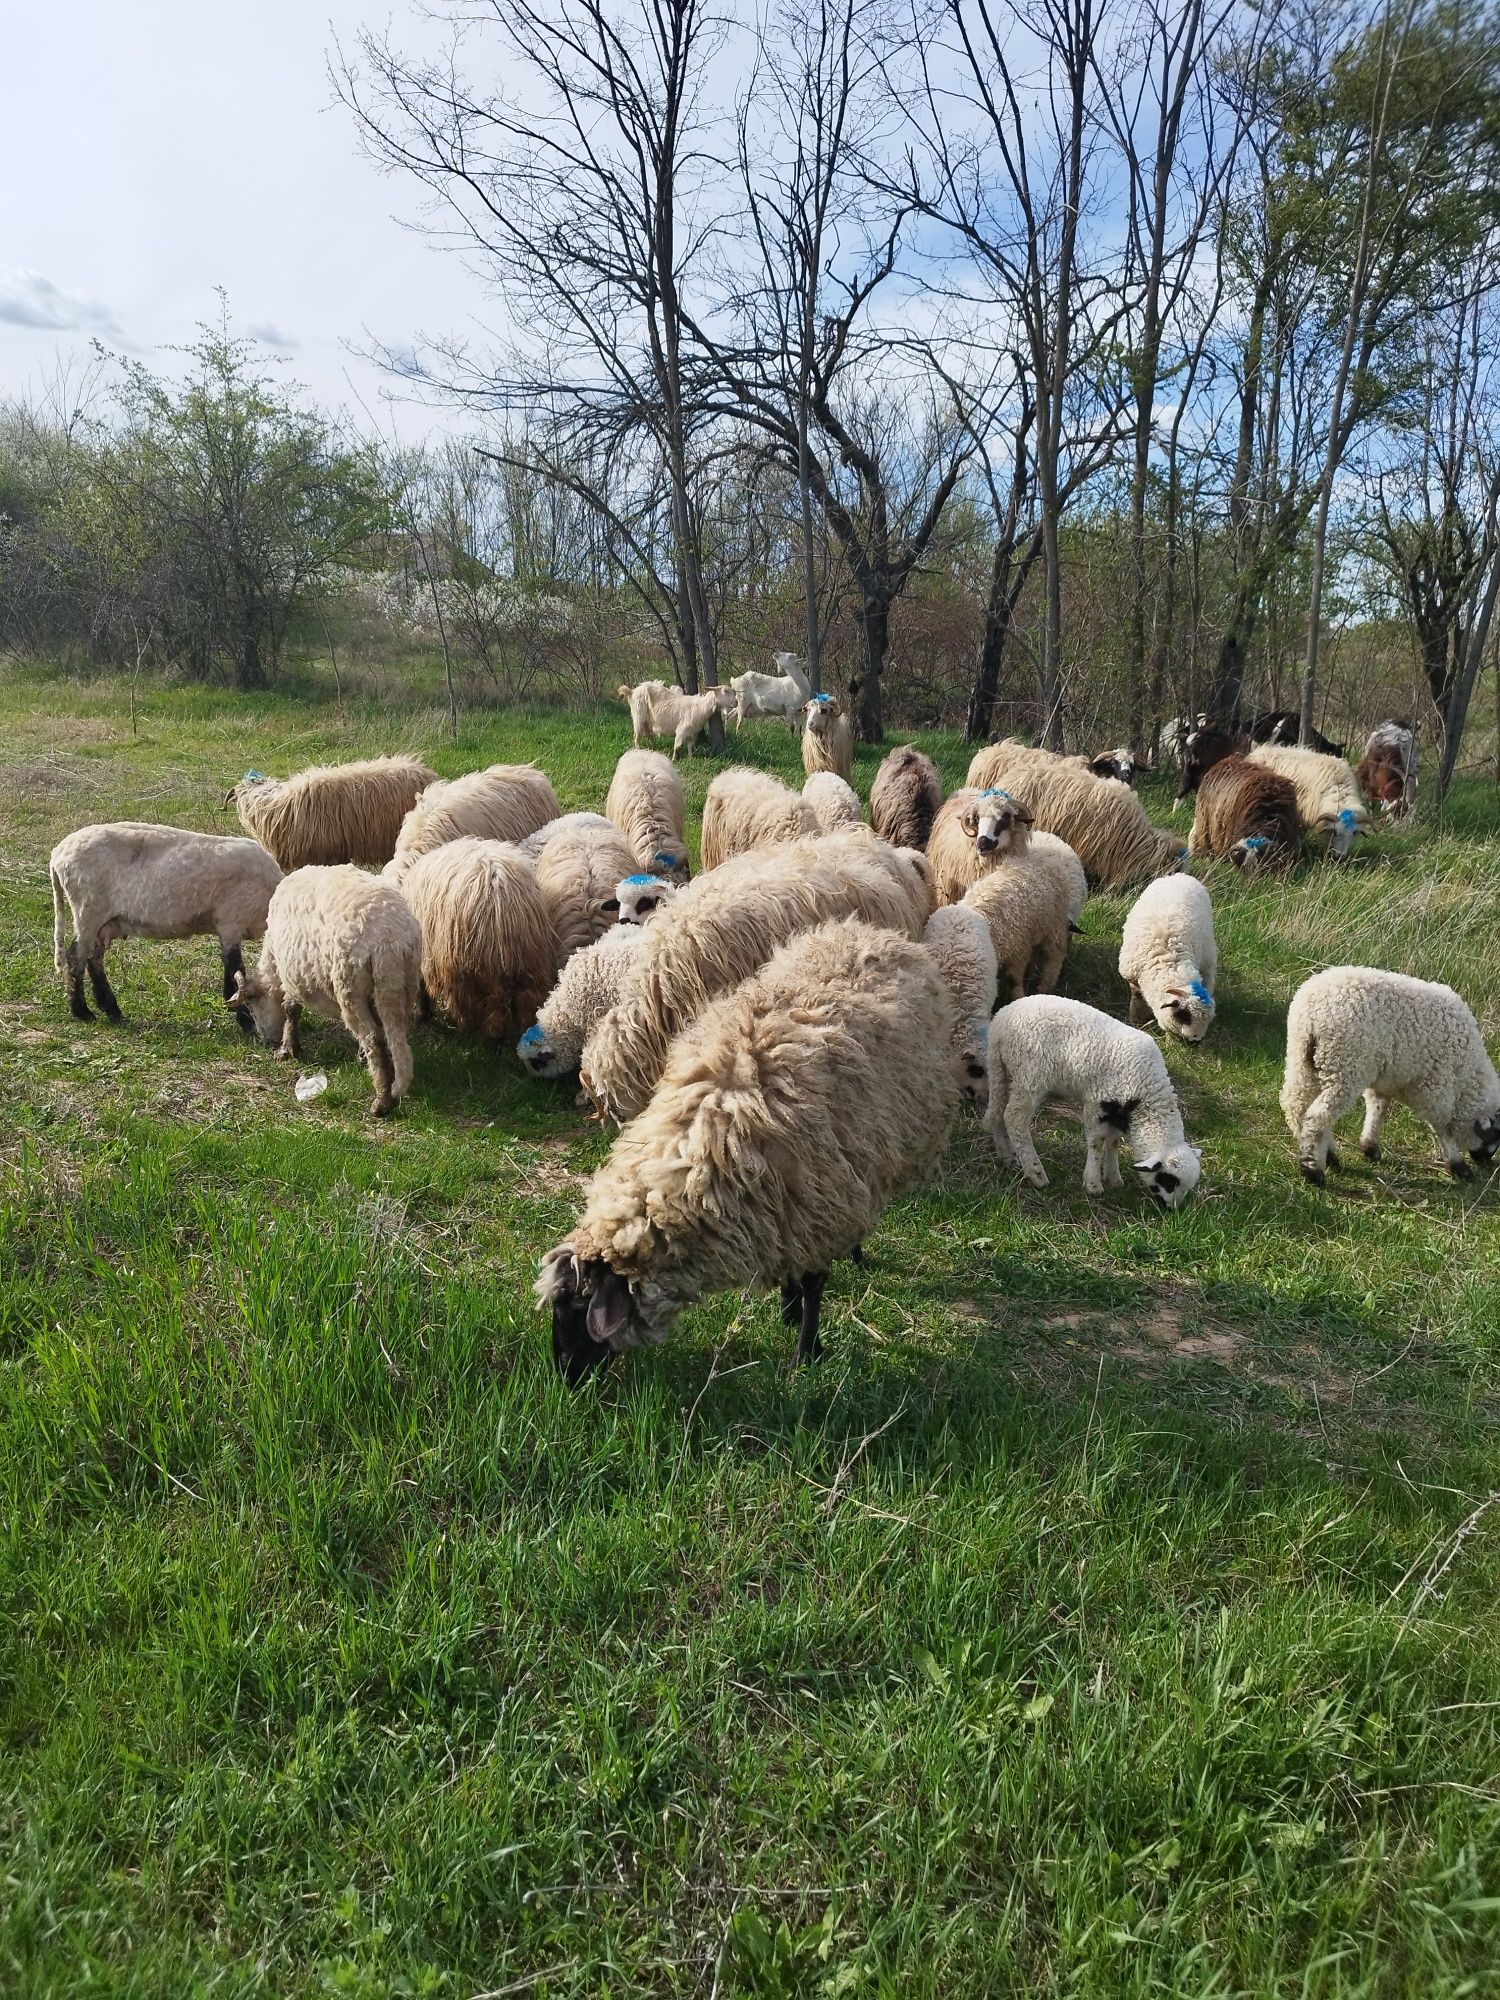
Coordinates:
<point>1188,1011</point>
<point>539,1055</point>
<point>257,1002</point>
<point>250,780</point>
<point>671,860</point>
<point>1343,830</point>
<point>639,897</point>
<point>1171,1177</point>
<point>1117,763</point>
<point>1252,854</point>
<point>596,1313</point>
<point>821,712</point>
<point>995,822</point>
<point>1486,1140</point>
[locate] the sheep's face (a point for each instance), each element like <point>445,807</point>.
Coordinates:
<point>1188,1012</point>
<point>254,996</point>
<point>672,862</point>
<point>995,822</point>
<point>1486,1140</point>
<point>1171,1177</point>
<point>595,1313</point>
<point>1117,763</point>
<point>539,1055</point>
<point>1251,855</point>
<point>974,1066</point>
<point>1343,831</point>
<point>822,712</point>
<point>639,897</point>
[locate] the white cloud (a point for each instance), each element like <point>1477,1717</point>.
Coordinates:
<point>29,299</point>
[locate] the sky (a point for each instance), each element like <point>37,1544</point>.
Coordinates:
<point>151,152</point>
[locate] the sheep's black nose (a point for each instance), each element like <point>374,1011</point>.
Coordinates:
<point>987,843</point>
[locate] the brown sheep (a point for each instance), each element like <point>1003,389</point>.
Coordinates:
<point>1248,815</point>
<point>906,797</point>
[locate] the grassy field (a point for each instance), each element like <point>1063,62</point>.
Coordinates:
<point>1111,1613</point>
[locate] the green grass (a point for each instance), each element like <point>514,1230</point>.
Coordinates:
<point>1112,1613</point>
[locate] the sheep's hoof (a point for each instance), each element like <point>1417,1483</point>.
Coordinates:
<point>1461,1170</point>
<point>1370,1151</point>
<point>1311,1171</point>
<point>281,1053</point>
<point>1333,1160</point>
<point>385,1107</point>
<point>1037,1180</point>
<point>79,1008</point>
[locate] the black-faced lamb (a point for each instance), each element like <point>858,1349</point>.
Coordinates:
<point>905,797</point>
<point>1169,958</point>
<point>640,896</point>
<point>331,812</point>
<point>592,982</point>
<point>489,954</point>
<point>646,803</point>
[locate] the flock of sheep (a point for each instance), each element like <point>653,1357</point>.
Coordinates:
<point>783,1040</point>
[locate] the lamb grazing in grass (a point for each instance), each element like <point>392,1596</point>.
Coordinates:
<point>579,873</point>
<point>659,710</point>
<point>744,809</point>
<point>641,896</point>
<point>728,1177</point>
<point>1025,907</point>
<point>1168,957</point>
<point>1388,770</point>
<point>1049,1050</point>
<point>1247,815</point>
<point>1329,801</point>
<point>1354,1030</point>
<point>1101,820</point>
<point>834,801</point>
<point>959,939</point>
<point>592,982</point>
<point>331,812</point>
<point>504,802</point>
<point>646,803</point>
<point>973,833</point>
<point>783,693</point>
<point>724,926</point>
<point>1284,726</point>
<point>345,943</point>
<point>906,797</point>
<point>536,844</point>
<point>827,738</point>
<point>489,955</point>
<point>1206,746</point>
<point>129,879</point>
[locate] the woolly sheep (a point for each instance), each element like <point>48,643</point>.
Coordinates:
<point>504,802</point>
<point>578,873</point>
<point>489,954</point>
<point>1247,815</point>
<point>905,797</point>
<point>973,833</point>
<point>345,943</point>
<point>988,765</point>
<point>1354,1029</point>
<point>1045,849</point>
<point>331,812</point>
<point>728,1177</point>
<point>128,879</point>
<point>1101,820</point>
<point>1329,801</point>
<point>1168,957</point>
<point>592,981</point>
<point>536,844</point>
<point>646,803</point>
<point>834,801</point>
<point>744,809</point>
<point>1049,1050</point>
<point>827,738</point>
<point>782,693</point>
<point>659,710</point>
<point>1025,906</point>
<point>959,939</point>
<point>641,896</point>
<point>1387,771</point>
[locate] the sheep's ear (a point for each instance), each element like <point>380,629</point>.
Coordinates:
<point>1146,1166</point>
<point>559,1277</point>
<point>1179,993</point>
<point>609,1309</point>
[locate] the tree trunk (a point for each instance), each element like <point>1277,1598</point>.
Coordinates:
<point>875,622</point>
<point>811,642</point>
<point>1050,672</point>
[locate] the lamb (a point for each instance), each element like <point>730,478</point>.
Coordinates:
<point>1355,1029</point>
<point>745,809</point>
<point>905,797</point>
<point>827,738</point>
<point>784,693</point>
<point>1247,815</point>
<point>659,710</point>
<point>578,873</point>
<point>489,955</point>
<point>1168,957</point>
<point>345,943</point>
<point>331,812</point>
<point>535,844</point>
<point>129,879</point>
<point>592,982</point>
<point>724,926</point>
<point>959,939</point>
<point>641,896</point>
<point>1284,726</point>
<point>1387,772</point>
<point>1101,820</point>
<point>504,802</point>
<point>1025,906</point>
<point>1048,850</point>
<point>728,1179</point>
<point>971,834</point>
<point>834,801</point>
<point>1046,1049</point>
<point>646,803</point>
<point>1329,800</point>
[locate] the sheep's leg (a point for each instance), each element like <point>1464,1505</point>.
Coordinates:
<point>1453,1157</point>
<point>424,1003</point>
<point>791,1302</point>
<point>78,1007</point>
<point>378,1061</point>
<point>1049,966</point>
<point>290,1045</point>
<point>104,996</point>
<point>994,1115</point>
<point>1376,1107</point>
<point>1315,1140</point>
<point>1018,1120</point>
<point>809,1346</point>
<point>1110,1158</point>
<point>1140,1013</point>
<point>234,965</point>
<point>398,1051</point>
<point>1093,1165</point>
<point>858,1258</point>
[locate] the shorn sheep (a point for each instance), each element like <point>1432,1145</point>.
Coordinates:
<point>744,809</point>
<point>827,738</point>
<point>1329,801</point>
<point>488,952</point>
<point>1247,815</point>
<point>1025,907</point>
<point>1169,958</point>
<point>959,939</point>
<point>1112,1077</point>
<point>1101,820</point>
<point>972,833</point>
<point>646,803</point>
<point>128,879</point>
<point>905,797</point>
<point>1354,1030</point>
<point>592,981</point>
<point>659,710</point>
<point>728,1177</point>
<point>331,812</point>
<point>579,874</point>
<point>504,802</point>
<point>833,800</point>
<point>780,694</point>
<point>346,944</point>
<point>1387,771</point>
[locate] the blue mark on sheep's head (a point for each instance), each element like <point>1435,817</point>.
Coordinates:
<point>1347,817</point>
<point>664,860</point>
<point>532,1036</point>
<point>997,792</point>
<point>1201,993</point>
<point>253,778</point>
<point>639,881</point>
<point>822,697</point>
<point>1255,842</point>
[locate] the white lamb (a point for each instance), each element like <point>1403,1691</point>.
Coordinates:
<point>1354,1029</point>
<point>959,939</point>
<point>1168,957</point>
<point>1048,1050</point>
<point>641,896</point>
<point>1064,861</point>
<point>592,981</point>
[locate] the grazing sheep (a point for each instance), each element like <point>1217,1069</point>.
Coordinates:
<point>504,802</point>
<point>732,1174</point>
<point>489,954</point>
<point>1168,957</point>
<point>331,812</point>
<point>536,844</point>
<point>990,765</point>
<point>1206,746</point>
<point>128,879</point>
<point>593,980</point>
<point>646,803</point>
<point>1046,850</point>
<point>579,873</point>
<point>1025,905</point>
<point>659,710</point>
<point>1284,726</point>
<point>725,925</point>
<point>834,801</point>
<point>641,896</point>
<point>1388,770</point>
<point>744,809</point>
<point>959,939</point>
<point>344,943</point>
<point>1101,820</point>
<point>1353,1030</point>
<point>1329,802</point>
<point>974,832</point>
<point>1120,763</point>
<point>782,693</point>
<point>1247,815</point>
<point>1049,1050</point>
<point>906,797</point>
<point>827,738</point>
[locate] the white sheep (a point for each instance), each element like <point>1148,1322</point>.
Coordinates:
<point>578,872</point>
<point>502,802</point>
<point>345,943</point>
<point>1331,805</point>
<point>1101,819</point>
<point>536,844</point>
<point>489,954</point>
<point>744,808</point>
<point>1356,1030</point>
<point>647,804</point>
<point>973,832</point>
<point>129,879</point>
<point>783,693</point>
<point>827,737</point>
<point>331,812</point>
<point>1169,959</point>
<point>592,982</point>
<point>1024,903</point>
<point>1048,1050</point>
<point>959,939</point>
<point>1048,851</point>
<point>640,896</point>
<point>833,799</point>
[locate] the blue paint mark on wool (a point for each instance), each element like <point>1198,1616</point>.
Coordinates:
<point>1256,841</point>
<point>1201,993</point>
<point>666,860</point>
<point>639,881</point>
<point>252,777</point>
<point>822,697</point>
<point>1346,817</point>
<point>996,792</point>
<point>531,1036</point>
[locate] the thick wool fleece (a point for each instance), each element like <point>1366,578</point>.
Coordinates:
<point>332,812</point>
<point>1168,957</point>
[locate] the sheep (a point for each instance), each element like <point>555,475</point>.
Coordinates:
<point>641,896</point>
<point>972,833</point>
<point>1101,820</point>
<point>489,954</point>
<point>959,939</point>
<point>129,879</point>
<point>1247,815</point>
<point>801,1104</point>
<point>331,812</point>
<point>592,982</point>
<point>990,765</point>
<point>1025,906</point>
<point>827,738</point>
<point>659,710</point>
<point>1354,1029</point>
<point>1206,746</point>
<point>504,802</point>
<point>725,925</point>
<point>834,801</point>
<point>784,693</point>
<point>1387,771</point>
<point>744,809</point>
<point>1284,726</point>
<point>905,797</point>
<point>578,873</point>
<point>1046,1049</point>
<point>1169,959</point>
<point>1329,800</point>
<point>535,844</point>
<point>344,943</point>
<point>1120,763</point>
<point>1046,849</point>
<point>646,803</point>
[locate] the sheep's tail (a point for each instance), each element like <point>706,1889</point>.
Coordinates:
<point>59,924</point>
<point>1301,1084</point>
